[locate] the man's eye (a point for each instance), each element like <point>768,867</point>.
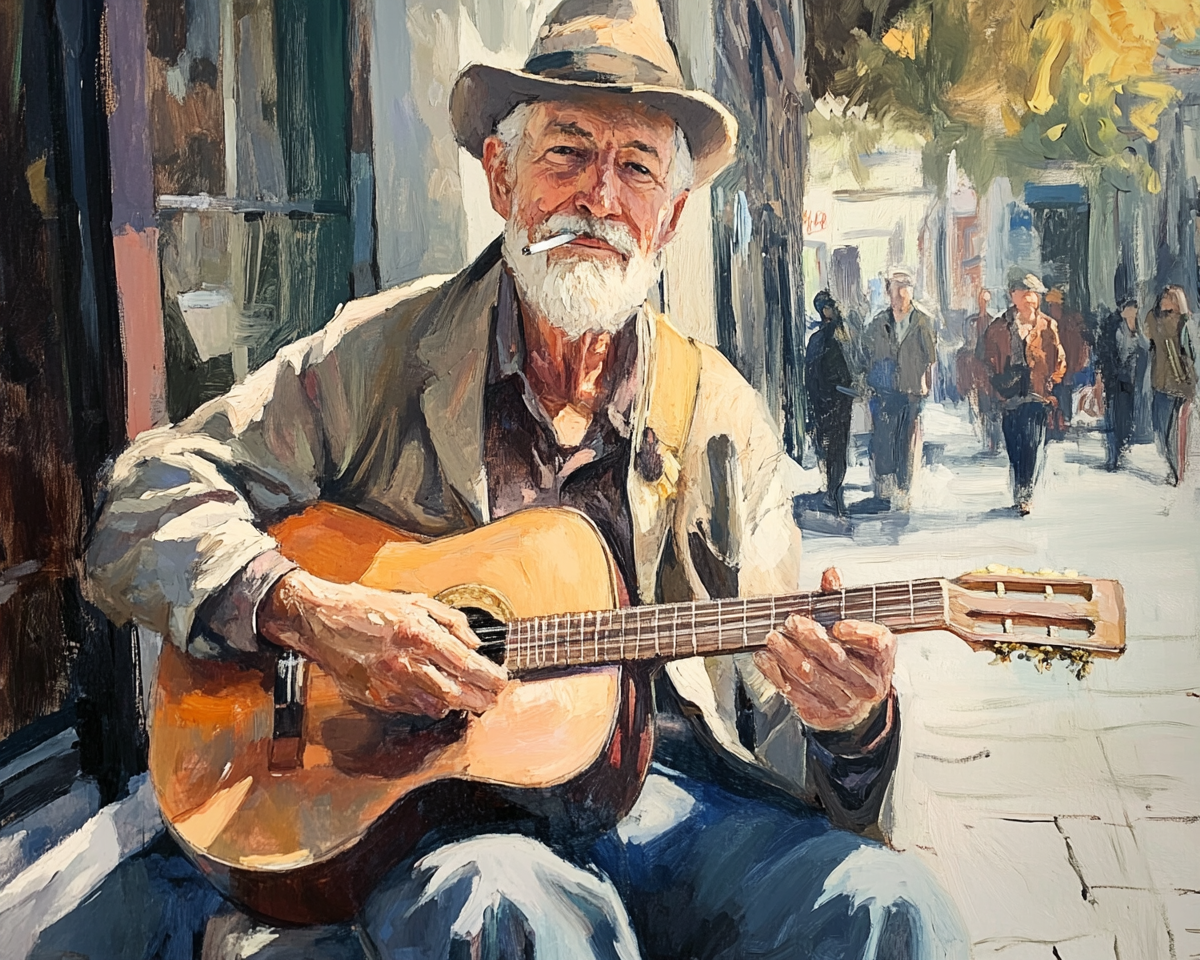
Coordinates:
<point>564,151</point>
<point>640,169</point>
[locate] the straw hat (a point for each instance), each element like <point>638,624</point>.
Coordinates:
<point>597,46</point>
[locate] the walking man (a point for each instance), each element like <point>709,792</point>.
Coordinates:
<point>901,350</point>
<point>1121,357</point>
<point>1027,361</point>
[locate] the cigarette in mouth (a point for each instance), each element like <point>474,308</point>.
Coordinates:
<point>549,244</point>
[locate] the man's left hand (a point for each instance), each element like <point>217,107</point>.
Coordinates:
<point>834,679</point>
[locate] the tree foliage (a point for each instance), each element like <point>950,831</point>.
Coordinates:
<point>1014,84</point>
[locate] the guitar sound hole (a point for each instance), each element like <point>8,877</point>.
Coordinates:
<point>491,632</point>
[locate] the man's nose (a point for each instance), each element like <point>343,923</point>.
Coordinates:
<point>597,195</point>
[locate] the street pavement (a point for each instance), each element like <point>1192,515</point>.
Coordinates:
<point>1062,814</point>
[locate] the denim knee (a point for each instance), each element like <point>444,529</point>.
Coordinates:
<point>910,914</point>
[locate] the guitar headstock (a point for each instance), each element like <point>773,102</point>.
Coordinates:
<point>1041,616</point>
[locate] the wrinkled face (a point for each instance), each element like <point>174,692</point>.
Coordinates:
<point>1026,301</point>
<point>600,169</point>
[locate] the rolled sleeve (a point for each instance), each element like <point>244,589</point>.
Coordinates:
<point>229,619</point>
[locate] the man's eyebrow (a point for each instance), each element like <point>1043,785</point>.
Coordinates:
<point>644,147</point>
<point>572,128</point>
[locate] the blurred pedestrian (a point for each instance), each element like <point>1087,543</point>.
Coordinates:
<point>1074,338</point>
<point>1172,375</point>
<point>974,383</point>
<point>1122,353</point>
<point>1026,361</point>
<point>829,382</point>
<point>901,349</point>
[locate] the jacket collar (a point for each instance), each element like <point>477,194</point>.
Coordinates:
<point>453,350</point>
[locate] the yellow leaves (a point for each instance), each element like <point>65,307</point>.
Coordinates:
<point>901,42</point>
<point>1058,32</point>
<point>1144,116</point>
<point>1055,132</point>
<point>1155,90</point>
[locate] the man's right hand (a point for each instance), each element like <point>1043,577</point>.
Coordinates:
<point>395,652</point>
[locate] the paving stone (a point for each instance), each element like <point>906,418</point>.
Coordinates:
<point>1013,880</point>
<point>1172,849</point>
<point>1155,768</point>
<point>1107,853</point>
<point>1135,920</point>
<point>1183,914</point>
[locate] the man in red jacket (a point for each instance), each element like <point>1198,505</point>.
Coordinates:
<point>1026,360</point>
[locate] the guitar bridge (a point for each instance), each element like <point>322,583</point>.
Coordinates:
<point>286,750</point>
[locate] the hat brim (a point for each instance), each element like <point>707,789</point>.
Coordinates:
<point>483,95</point>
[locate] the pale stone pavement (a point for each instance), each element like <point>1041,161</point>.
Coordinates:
<point>1063,815</point>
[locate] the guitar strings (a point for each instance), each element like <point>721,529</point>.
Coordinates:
<point>607,641</point>
<point>528,646</point>
<point>717,612</point>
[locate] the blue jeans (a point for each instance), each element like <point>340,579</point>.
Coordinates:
<point>1025,437</point>
<point>1169,415</point>
<point>693,871</point>
<point>894,419</point>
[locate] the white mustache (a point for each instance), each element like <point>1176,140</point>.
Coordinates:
<point>616,235</point>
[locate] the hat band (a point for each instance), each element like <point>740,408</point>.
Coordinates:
<point>601,66</point>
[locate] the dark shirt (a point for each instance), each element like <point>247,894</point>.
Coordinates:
<point>526,464</point>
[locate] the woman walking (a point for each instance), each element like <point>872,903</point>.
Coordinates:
<point>1172,375</point>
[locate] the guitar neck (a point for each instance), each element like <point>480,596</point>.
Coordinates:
<point>709,627</point>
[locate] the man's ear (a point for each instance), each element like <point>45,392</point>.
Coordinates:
<point>670,227</point>
<point>495,165</point>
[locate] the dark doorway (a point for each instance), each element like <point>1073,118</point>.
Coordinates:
<point>1061,216</point>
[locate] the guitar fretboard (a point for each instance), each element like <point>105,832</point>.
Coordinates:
<point>703,628</point>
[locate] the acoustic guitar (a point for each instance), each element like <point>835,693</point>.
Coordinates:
<point>295,802</point>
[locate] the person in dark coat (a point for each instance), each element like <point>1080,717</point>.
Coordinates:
<point>829,383</point>
<point>1027,361</point>
<point>901,349</point>
<point>1121,354</point>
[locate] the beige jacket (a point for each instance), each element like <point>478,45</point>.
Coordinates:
<point>383,411</point>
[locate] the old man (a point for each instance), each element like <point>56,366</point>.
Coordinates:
<point>901,347</point>
<point>521,382</point>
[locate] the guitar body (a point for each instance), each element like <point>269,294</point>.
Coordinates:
<point>560,755</point>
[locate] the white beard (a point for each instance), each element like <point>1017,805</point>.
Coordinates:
<point>584,295</point>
